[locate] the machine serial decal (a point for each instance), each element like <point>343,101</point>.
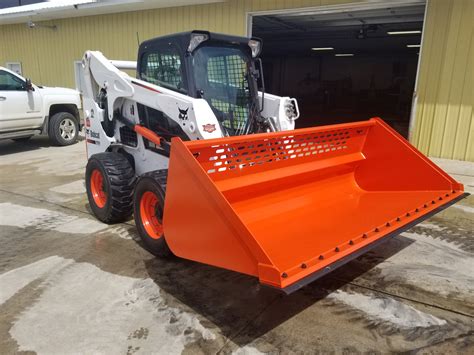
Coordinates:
<point>209,128</point>
<point>183,114</point>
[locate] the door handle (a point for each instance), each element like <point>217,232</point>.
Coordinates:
<point>2,98</point>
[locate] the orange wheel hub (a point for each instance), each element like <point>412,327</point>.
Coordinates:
<point>149,206</point>
<point>97,188</point>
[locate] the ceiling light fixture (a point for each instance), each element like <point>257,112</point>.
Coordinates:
<point>344,55</point>
<point>404,32</point>
<point>413,45</point>
<point>322,49</point>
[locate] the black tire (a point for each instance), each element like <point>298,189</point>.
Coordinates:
<point>118,181</point>
<point>63,129</point>
<point>22,139</point>
<point>153,182</point>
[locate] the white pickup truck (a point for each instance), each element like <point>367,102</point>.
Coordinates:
<point>27,110</point>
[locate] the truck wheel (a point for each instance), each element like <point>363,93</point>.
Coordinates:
<point>63,129</point>
<point>109,182</point>
<point>148,207</point>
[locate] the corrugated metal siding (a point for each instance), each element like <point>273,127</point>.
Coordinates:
<point>444,125</point>
<point>2,47</point>
<point>444,120</point>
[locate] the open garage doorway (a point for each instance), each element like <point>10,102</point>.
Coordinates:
<point>344,64</point>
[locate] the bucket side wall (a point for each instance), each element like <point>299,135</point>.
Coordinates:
<point>393,164</point>
<point>199,223</point>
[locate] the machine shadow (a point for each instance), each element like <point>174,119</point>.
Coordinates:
<point>235,303</point>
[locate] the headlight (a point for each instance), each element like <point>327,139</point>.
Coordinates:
<point>256,46</point>
<point>196,40</point>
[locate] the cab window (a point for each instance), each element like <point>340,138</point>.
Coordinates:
<point>163,67</point>
<point>221,74</point>
<point>9,82</point>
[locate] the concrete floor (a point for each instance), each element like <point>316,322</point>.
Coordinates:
<point>69,284</point>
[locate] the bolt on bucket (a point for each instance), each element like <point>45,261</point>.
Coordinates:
<point>289,207</point>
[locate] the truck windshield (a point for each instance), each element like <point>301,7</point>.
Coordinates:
<point>222,77</point>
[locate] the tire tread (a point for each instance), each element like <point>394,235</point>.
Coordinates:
<point>157,247</point>
<point>121,177</point>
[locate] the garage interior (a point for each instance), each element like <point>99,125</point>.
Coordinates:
<point>344,65</point>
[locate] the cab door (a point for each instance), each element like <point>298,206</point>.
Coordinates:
<point>19,108</point>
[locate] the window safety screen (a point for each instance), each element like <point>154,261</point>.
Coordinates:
<point>222,76</point>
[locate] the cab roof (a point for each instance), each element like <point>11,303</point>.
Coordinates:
<point>182,39</point>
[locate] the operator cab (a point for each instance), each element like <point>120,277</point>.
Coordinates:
<point>218,68</point>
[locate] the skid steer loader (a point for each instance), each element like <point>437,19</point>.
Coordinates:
<point>214,171</point>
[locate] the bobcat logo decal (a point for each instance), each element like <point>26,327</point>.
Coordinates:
<point>183,114</point>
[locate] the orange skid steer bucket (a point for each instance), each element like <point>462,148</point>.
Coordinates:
<point>289,207</point>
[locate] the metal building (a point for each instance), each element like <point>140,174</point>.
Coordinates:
<point>46,40</point>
